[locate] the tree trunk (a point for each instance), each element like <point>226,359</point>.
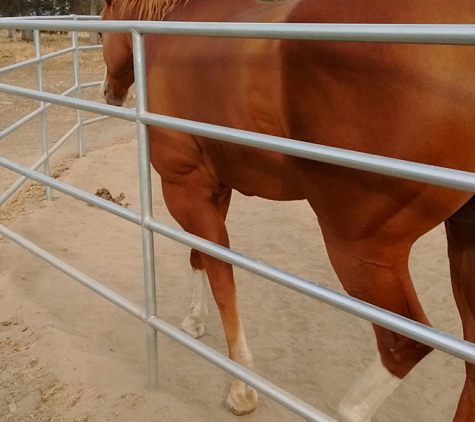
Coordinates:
<point>27,35</point>
<point>13,35</point>
<point>75,7</point>
<point>93,37</point>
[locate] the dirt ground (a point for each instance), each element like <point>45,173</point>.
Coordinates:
<point>68,355</point>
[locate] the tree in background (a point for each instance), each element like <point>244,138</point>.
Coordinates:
<point>95,6</point>
<point>49,8</point>
<point>35,7</point>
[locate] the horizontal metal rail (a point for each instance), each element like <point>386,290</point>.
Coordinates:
<point>54,18</point>
<point>15,186</point>
<point>427,335</point>
<point>85,280</point>
<point>89,198</point>
<point>90,47</point>
<point>20,123</point>
<point>95,120</point>
<point>17,125</point>
<point>287,400</point>
<point>32,62</point>
<point>61,17</point>
<point>28,118</point>
<point>393,33</point>
<point>90,84</point>
<point>4,133</point>
<point>113,111</point>
<point>425,173</point>
<point>454,179</point>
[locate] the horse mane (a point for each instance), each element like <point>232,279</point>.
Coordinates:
<point>149,10</point>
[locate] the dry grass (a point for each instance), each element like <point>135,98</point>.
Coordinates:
<point>11,52</point>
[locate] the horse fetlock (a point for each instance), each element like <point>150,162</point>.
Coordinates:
<point>193,326</point>
<point>349,414</point>
<point>245,359</point>
<point>369,392</point>
<point>242,399</point>
<point>199,310</point>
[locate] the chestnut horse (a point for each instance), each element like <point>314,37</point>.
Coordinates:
<point>412,102</point>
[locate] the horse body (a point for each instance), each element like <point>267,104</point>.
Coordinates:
<point>403,101</point>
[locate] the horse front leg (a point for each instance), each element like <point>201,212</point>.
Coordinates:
<point>197,209</point>
<point>460,230</point>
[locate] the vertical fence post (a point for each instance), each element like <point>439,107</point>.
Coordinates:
<point>146,205</point>
<point>77,84</point>
<point>44,131</point>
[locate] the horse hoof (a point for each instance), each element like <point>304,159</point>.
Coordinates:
<point>241,400</point>
<point>193,328</point>
<point>347,415</point>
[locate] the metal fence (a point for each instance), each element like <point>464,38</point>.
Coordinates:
<point>429,34</point>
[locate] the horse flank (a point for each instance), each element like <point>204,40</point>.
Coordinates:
<point>149,10</point>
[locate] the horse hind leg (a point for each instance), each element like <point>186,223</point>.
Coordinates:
<point>380,276</point>
<point>194,323</point>
<point>460,229</point>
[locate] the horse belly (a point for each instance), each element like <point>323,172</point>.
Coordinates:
<point>254,172</point>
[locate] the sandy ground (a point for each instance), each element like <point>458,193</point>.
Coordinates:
<point>68,355</point>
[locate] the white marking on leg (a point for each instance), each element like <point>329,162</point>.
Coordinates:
<point>194,323</point>
<point>241,353</point>
<point>369,392</point>
<point>103,85</point>
<point>242,399</point>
